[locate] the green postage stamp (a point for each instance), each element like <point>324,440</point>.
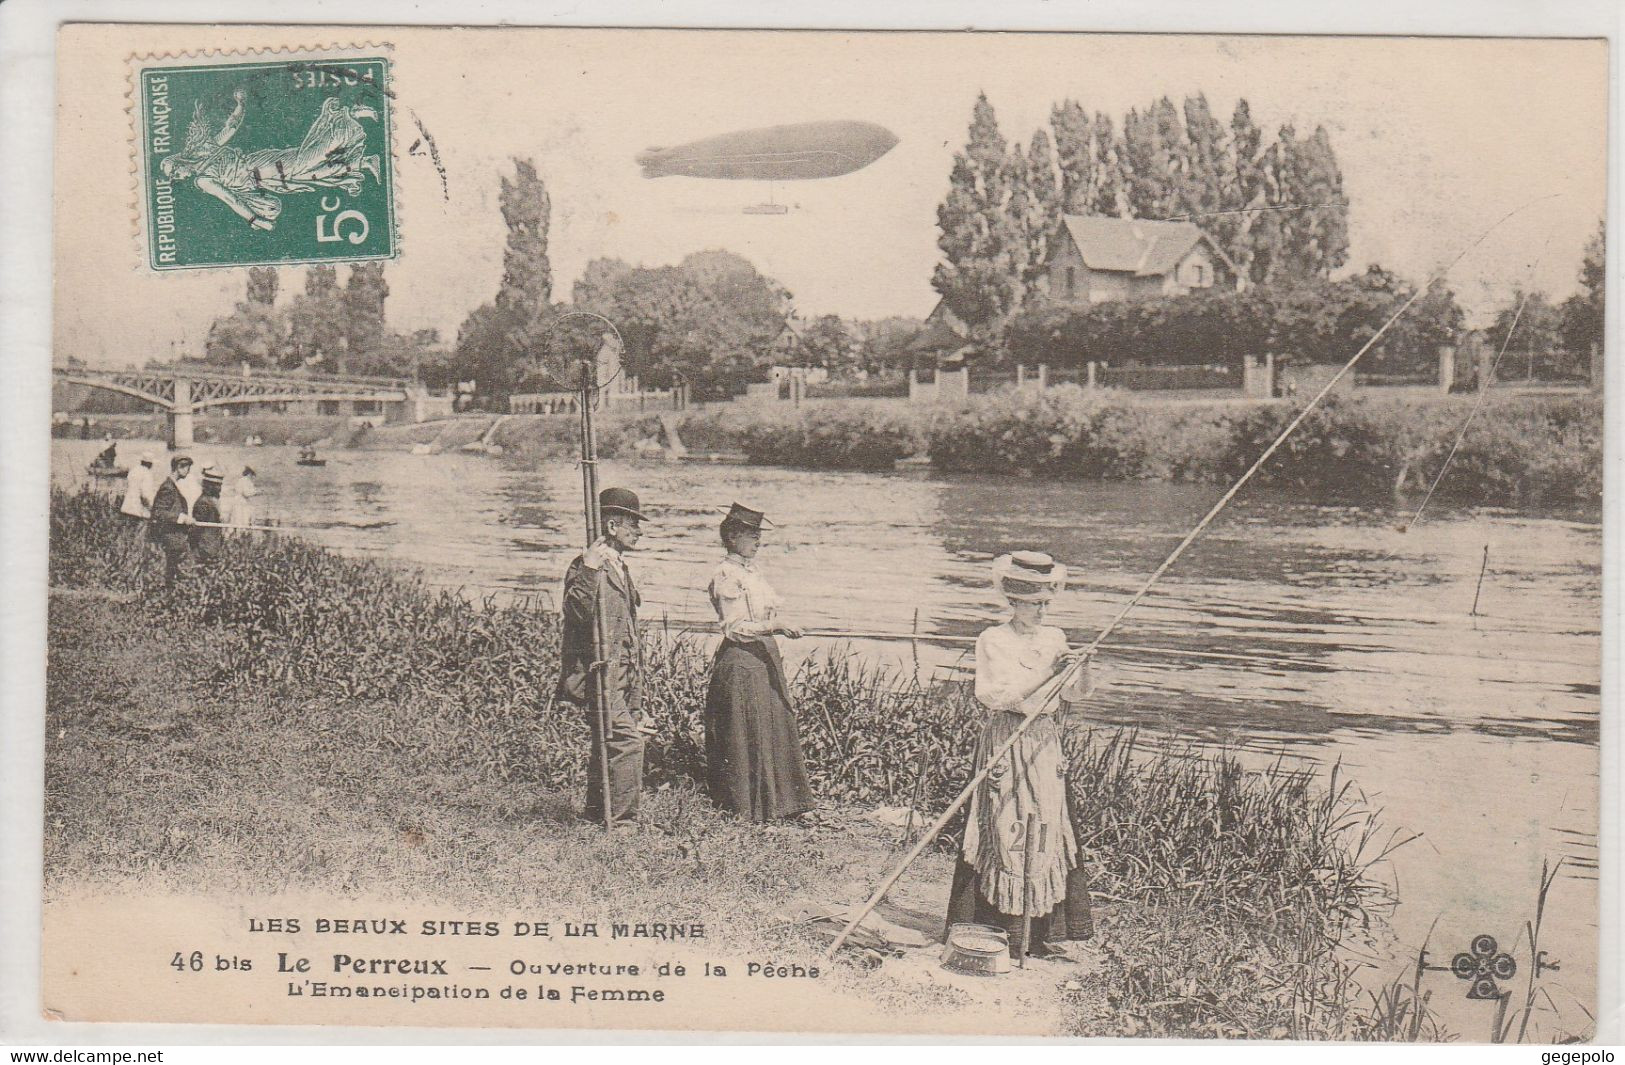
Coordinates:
<point>250,163</point>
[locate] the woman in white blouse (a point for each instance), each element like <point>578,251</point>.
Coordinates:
<point>993,882</point>
<point>238,509</point>
<point>754,765</point>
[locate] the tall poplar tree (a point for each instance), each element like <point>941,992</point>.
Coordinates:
<point>1034,208</point>
<point>1325,226</point>
<point>1274,230</point>
<point>262,285</point>
<point>1207,165</point>
<point>1246,190</point>
<point>1309,239</point>
<point>980,277</point>
<point>1170,134</point>
<point>1109,197</point>
<point>527,276</point>
<point>1075,157</point>
<point>498,339</point>
<point>316,329</point>
<point>1145,166</point>
<point>364,296</point>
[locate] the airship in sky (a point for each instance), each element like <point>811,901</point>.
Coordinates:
<point>797,152</point>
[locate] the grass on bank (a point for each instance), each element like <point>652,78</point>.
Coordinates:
<point>309,720</point>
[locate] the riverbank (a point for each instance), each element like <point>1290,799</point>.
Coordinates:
<point>340,727</point>
<point>1521,449</point>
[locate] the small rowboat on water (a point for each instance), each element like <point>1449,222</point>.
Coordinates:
<point>107,471</point>
<point>307,457</point>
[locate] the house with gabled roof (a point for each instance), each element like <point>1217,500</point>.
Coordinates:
<point>1095,259</point>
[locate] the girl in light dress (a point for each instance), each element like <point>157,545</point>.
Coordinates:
<point>993,882</point>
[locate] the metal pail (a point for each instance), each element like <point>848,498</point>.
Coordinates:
<point>979,949</point>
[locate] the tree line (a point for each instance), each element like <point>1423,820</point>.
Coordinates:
<point>327,328</point>
<point>711,322</point>
<point>1275,205</point>
<point>1543,337</point>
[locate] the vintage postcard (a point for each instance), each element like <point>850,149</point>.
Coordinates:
<point>911,533</point>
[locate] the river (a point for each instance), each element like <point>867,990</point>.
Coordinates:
<point>1480,732</point>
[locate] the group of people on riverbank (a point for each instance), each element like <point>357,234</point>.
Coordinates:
<point>1019,864</point>
<point>186,515</point>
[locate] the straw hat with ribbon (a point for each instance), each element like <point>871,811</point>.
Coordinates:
<point>1028,576</point>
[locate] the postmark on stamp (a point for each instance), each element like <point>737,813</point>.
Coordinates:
<point>273,161</point>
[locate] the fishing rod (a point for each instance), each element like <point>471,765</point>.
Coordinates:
<point>586,370</point>
<point>922,637</point>
<point>1483,393</point>
<point>1049,692</point>
<point>286,528</point>
<point>1171,652</point>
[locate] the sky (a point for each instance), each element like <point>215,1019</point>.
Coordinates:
<point>1437,139</point>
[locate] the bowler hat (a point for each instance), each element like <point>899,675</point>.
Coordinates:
<point>620,501</point>
<point>739,514</point>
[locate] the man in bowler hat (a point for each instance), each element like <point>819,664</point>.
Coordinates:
<point>599,586</point>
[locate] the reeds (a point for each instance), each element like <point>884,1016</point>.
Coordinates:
<point>1195,824</point>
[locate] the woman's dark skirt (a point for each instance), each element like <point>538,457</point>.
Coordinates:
<point>1071,919</point>
<point>754,766</point>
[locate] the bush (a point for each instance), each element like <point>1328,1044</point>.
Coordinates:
<point>1025,431</point>
<point>537,438</point>
<point>1339,449</point>
<point>830,436</point>
<point>1518,451</point>
<point>1546,450</point>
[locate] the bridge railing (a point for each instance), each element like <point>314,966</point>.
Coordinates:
<point>218,374</point>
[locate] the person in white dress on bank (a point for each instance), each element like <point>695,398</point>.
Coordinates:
<point>239,508</point>
<point>994,883</point>
<point>139,487</point>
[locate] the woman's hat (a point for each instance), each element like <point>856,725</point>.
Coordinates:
<point>147,457</point>
<point>213,474</point>
<point>620,501</point>
<point>1028,576</point>
<point>248,471</point>
<point>739,514</point>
